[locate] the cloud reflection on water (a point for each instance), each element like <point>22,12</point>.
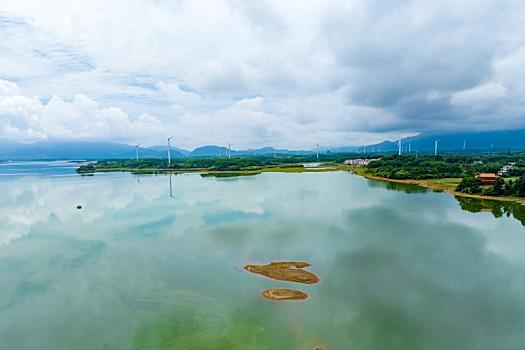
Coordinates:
<point>398,270</point>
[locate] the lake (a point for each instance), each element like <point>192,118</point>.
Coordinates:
<point>155,262</point>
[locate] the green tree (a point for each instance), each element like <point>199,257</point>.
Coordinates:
<point>470,184</point>
<point>519,187</point>
<point>497,188</point>
<point>508,189</point>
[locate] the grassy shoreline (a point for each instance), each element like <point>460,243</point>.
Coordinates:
<point>443,185</point>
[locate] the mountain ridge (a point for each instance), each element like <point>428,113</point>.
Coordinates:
<point>509,140</point>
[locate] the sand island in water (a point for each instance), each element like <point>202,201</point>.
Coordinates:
<point>284,294</point>
<point>291,271</point>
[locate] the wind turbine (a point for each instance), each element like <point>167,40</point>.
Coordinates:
<point>436,147</point>
<point>169,149</point>
<point>137,151</point>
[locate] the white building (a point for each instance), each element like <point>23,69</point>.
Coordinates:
<point>506,168</point>
<point>358,162</point>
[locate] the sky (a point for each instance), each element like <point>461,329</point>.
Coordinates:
<point>288,74</point>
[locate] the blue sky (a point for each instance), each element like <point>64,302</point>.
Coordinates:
<point>280,73</point>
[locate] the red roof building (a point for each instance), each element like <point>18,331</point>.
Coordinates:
<point>487,179</point>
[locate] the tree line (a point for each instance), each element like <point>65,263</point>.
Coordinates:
<point>236,163</point>
<point>500,187</point>
<point>443,166</point>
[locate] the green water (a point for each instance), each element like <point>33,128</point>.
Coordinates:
<point>138,268</point>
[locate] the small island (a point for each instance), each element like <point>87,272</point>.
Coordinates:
<point>290,271</point>
<point>284,294</point>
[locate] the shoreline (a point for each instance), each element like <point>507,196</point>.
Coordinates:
<point>204,171</point>
<point>425,183</point>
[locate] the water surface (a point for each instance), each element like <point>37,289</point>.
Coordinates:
<point>155,262</point>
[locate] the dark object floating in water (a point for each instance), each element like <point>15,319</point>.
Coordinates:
<point>284,294</point>
<point>291,271</point>
<point>79,207</point>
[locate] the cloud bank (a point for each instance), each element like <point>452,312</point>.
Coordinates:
<point>26,118</point>
<point>288,74</point>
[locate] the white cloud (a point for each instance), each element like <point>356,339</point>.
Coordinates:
<point>27,118</point>
<point>480,95</point>
<point>8,88</point>
<point>248,122</point>
<point>340,71</point>
<point>177,95</point>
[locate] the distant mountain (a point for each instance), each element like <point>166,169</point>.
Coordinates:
<point>344,149</point>
<point>210,151</point>
<point>106,150</point>
<point>219,151</point>
<point>70,150</point>
<point>164,149</point>
<point>74,150</point>
<point>263,151</point>
<point>509,140</point>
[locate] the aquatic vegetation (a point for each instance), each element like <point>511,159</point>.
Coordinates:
<point>291,271</point>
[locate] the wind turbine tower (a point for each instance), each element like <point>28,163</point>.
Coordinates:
<point>169,149</point>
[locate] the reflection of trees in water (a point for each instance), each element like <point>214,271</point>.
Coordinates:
<point>397,186</point>
<point>497,208</point>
